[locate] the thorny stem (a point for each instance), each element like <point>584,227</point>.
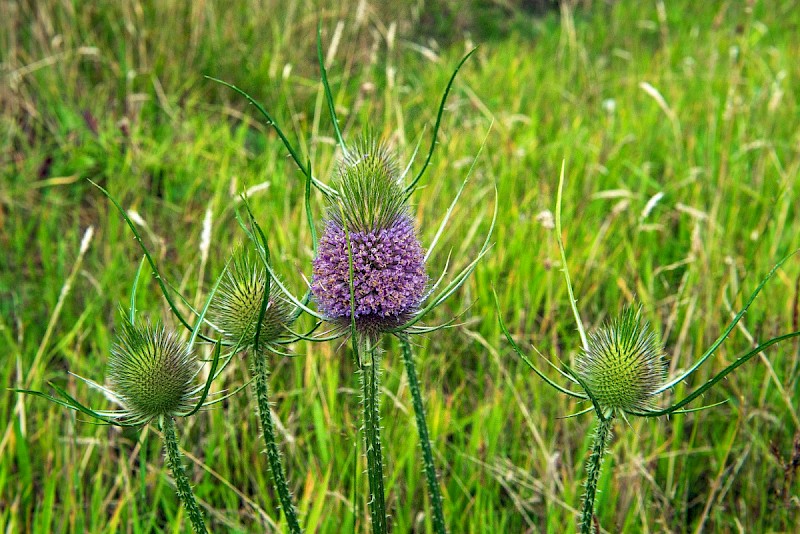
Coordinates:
<point>439,525</point>
<point>261,371</point>
<point>370,382</point>
<point>175,463</point>
<point>601,439</point>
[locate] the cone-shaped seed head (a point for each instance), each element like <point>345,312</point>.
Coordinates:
<point>371,219</point>
<point>153,372</point>
<point>624,365</point>
<point>237,305</point>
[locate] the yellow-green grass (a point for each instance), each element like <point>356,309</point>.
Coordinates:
<point>697,101</point>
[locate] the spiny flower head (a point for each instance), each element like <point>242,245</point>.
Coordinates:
<point>236,307</point>
<point>371,196</point>
<point>623,367</point>
<point>152,372</point>
<point>369,227</point>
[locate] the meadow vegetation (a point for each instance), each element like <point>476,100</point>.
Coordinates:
<point>678,122</point>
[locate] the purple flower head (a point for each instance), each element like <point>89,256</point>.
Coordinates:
<point>370,224</point>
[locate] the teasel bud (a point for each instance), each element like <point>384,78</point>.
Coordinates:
<point>623,367</point>
<point>370,224</point>
<point>152,372</point>
<point>236,307</point>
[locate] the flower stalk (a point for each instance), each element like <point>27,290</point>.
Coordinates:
<point>261,372</point>
<point>439,525</point>
<point>175,463</point>
<point>370,384</point>
<point>601,438</point>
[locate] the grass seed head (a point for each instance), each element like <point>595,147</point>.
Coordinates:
<point>624,365</point>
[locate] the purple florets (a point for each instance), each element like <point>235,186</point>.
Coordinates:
<point>388,275</point>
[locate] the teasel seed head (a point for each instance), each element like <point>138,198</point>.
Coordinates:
<point>237,305</point>
<point>152,372</point>
<point>623,367</point>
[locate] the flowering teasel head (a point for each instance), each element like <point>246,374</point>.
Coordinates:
<point>369,242</point>
<point>370,265</point>
<point>239,309</point>
<point>368,275</point>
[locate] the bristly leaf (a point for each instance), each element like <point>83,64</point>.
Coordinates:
<point>309,213</point>
<point>72,404</point>
<point>713,348</point>
<point>564,267</point>
<point>525,359</point>
<point>160,279</point>
<point>410,188</point>
<point>212,374</point>
<point>134,287</point>
<point>327,91</point>
<point>741,360</point>
<point>458,280</point>
<point>453,204</point>
<point>271,122</point>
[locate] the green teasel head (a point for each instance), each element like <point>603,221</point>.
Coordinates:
<point>620,368</point>
<point>152,373</point>
<point>623,366</point>
<point>239,301</point>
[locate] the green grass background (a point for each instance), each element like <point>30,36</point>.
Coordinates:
<point>115,92</point>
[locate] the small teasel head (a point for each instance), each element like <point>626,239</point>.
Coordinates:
<point>152,372</point>
<point>369,229</point>
<point>237,305</point>
<point>623,367</point>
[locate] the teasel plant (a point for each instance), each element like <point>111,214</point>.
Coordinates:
<point>253,317</point>
<point>620,370</point>
<point>248,314</point>
<point>369,276</point>
<point>154,377</point>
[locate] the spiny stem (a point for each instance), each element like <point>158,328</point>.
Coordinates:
<point>175,463</point>
<point>439,525</point>
<point>261,371</point>
<point>370,382</point>
<point>601,439</point>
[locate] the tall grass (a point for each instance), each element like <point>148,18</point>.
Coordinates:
<point>678,123</point>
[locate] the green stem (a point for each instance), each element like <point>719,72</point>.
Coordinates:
<point>175,463</point>
<point>439,525</point>
<point>261,371</point>
<point>370,382</point>
<point>601,438</point>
